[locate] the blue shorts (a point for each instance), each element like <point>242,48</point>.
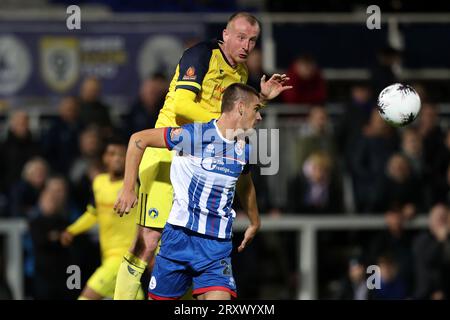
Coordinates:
<point>188,258</point>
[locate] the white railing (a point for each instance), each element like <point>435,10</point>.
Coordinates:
<point>306,227</point>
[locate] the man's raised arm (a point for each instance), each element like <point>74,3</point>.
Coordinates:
<point>138,142</point>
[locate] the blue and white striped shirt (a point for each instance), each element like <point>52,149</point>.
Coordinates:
<point>204,174</point>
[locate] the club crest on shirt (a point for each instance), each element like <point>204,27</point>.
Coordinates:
<point>239,147</point>
<point>190,74</point>
<point>175,133</point>
<point>153,213</point>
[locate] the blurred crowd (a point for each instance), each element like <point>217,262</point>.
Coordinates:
<point>398,173</point>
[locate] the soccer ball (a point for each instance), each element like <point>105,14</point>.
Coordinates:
<point>398,104</point>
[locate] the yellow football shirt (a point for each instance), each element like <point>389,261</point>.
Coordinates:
<point>204,70</point>
<point>116,233</point>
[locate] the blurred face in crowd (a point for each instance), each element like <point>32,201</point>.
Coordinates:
<point>438,218</point>
<point>377,126</point>
<point>19,124</point>
<point>398,168</point>
<point>69,109</point>
<point>89,142</point>
<point>152,91</point>
<point>254,62</point>
<point>388,269</point>
<point>90,90</point>
<point>356,272</point>
<point>411,143</point>
<point>317,168</point>
<point>47,204</point>
<point>318,119</point>
<point>239,39</point>
<point>305,68</point>
<point>114,159</point>
<point>428,117</point>
<point>35,173</point>
<point>58,188</point>
<point>361,94</point>
<point>394,220</point>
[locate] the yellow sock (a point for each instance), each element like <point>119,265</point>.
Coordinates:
<point>128,282</point>
<point>82,298</point>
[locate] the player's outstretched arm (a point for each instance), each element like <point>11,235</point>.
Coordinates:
<point>138,142</point>
<point>186,107</point>
<point>271,88</point>
<point>247,196</point>
<point>81,225</point>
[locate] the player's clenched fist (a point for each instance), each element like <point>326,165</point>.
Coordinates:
<point>127,199</point>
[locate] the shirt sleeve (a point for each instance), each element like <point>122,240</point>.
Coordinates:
<point>193,66</point>
<point>180,139</point>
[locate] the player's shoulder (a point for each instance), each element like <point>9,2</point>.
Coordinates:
<point>201,50</point>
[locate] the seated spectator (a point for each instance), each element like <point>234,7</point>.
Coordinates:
<point>60,141</point>
<point>412,149</point>
<point>354,285</point>
<point>356,115</point>
<point>368,160</point>
<point>86,166</point>
<point>144,112</point>
<point>315,190</point>
<point>432,257</point>
<point>18,147</point>
<point>396,240</point>
<point>25,193</point>
<point>398,186</point>
<point>316,135</point>
<point>308,82</point>
<point>51,259</point>
<point>432,137</point>
<point>92,109</point>
<point>392,284</point>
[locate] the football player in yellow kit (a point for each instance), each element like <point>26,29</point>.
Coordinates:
<point>195,93</point>
<point>116,234</point>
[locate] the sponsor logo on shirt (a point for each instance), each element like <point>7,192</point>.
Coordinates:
<point>190,74</point>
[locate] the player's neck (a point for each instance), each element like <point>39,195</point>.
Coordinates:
<point>226,127</point>
<point>230,61</point>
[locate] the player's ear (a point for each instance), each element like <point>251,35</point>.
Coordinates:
<point>225,34</point>
<point>241,107</point>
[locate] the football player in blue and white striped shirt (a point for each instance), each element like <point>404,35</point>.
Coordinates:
<point>210,164</point>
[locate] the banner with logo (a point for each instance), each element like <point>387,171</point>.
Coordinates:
<point>47,59</point>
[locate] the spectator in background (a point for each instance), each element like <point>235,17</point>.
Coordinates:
<point>432,137</point>
<point>60,141</point>
<point>51,259</point>
<point>432,257</point>
<point>18,147</point>
<point>316,135</point>
<point>86,166</point>
<point>25,193</point>
<point>412,150</point>
<point>392,284</point>
<point>387,69</point>
<point>309,86</point>
<point>398,185</point>
<point>355,117</point>
<point>255,68</point>
<point>354,285</point>
<point>441,188</point>
<point>397,241</point>
<point>315,190</point>
<point>92,109</point>
<point>377,143</point>
<point>144,112</point>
